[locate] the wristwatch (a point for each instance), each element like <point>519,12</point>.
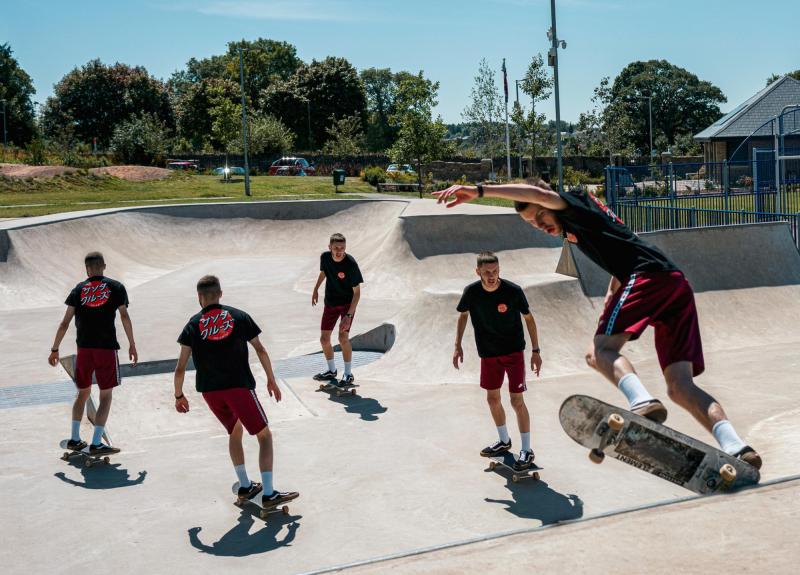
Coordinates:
<point>348,315</point>
<point>480,190</point>
<point>536,350</point>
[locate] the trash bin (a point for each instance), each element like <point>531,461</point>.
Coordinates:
<point>338,178</point>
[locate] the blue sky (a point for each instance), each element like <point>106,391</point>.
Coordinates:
<point>734,44</point>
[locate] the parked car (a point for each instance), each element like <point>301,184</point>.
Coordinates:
<point>182,165</point>
<point>231,171</point>
<point>290,171</point>
<point>295,165</point>
<point>401,168</point>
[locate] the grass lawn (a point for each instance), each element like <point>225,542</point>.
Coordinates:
<point>81,191</point>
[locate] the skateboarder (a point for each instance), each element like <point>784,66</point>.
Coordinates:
<point>646,288</point>
<point>217,338</point>
<point>94,304</point>
<point>343,280</point>
<point>495,305</point>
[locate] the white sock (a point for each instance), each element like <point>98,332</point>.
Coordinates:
<point>348,368</point>
<point>526,441</point>
<point>729,441</point>
<point>76,430</point>
<point>266,481</point>
<point>503,433</point>
<point>98,434</point>
<point>633,389</point>
<point>331,364</point>
<point>241,473</point>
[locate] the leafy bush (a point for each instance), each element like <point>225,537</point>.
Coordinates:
<point>269,136</point>
<point>141,140</point>
<point>374,175</point>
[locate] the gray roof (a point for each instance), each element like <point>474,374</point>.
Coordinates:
<point>751,115</point>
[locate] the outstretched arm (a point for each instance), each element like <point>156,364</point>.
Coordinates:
<point>60,333</point>
<point>459,194</point>
<point>263,357</point>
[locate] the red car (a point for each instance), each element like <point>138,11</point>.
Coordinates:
<point>293,165</point>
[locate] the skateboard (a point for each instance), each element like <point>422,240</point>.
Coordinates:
<point>661,451</point>
<point>340,391</point>
<point>88,459</point>
<point>254,505</point>
<point>506,460</point>
<point>68,363</point>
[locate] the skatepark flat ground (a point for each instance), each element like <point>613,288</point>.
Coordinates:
<point>396,469</point>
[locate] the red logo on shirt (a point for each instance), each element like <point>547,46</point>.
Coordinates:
<point>95,294</point>
<point>341,275</point>
<point>606,209</point>
<point>502,308</point>
<point>216,324</point>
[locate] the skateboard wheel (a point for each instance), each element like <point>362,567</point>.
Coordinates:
<point>321,386</point>
<point>285,509</point>
<point>515,478</point>
<point>263,514</point>
<point>65,457</point>
<point>728,473</point>
<point>87,463</point>
<point>106,459</point>
<point>352,392</point>
<point>536,476</point>
<point>616,421</point>
<point>492,465</point>
<point>596,456</point>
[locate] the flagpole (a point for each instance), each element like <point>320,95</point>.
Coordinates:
<point>508,141</point>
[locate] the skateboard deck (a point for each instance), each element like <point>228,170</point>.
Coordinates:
<point>68,363</point>
<point>88,459</point>
<point>340,391</point>
<point>254,507</point>
<point>506,461</point>
<point>661,451</point>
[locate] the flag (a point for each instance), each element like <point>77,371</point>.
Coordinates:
<point>505,80</point>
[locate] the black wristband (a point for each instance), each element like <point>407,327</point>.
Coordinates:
<point>536,350</point>
<point>181,396</point>
<point>480,190</point>
<point>54,350</point>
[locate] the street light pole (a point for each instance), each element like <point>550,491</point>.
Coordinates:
<point>552,60</point>
<point>650,113</point>
<point>5,136</point>
<point>244,127</point>
<point>519,131</point>
<point>308,110</point>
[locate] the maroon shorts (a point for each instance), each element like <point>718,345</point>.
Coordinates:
<point>494,368</point>
<point>664,300</point>
<point>237,404</point>
<point>102,363</point>
<point>331,314</point>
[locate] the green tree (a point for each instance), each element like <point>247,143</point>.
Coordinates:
<point>91,101</point>
<point>420,137</point>
<point>313,95</point>
<point>266,135</point>
<point>193,112</point>
<point>774,77</point>
<point>345,137</point>
<point>16,90</point>
<point>485,112</point>
<point>141,140</point>
<point>537,85</point>
<point>682,103</point>
<point>380,86</point>
<point>226,122</point>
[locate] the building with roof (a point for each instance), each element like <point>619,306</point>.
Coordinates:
<point>751,125</point>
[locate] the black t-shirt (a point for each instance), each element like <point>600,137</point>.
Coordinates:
<point>96,301</point>
<point>606,240</point>
<point>218,336</point>
<point>340,278</point>
<point>496,317</point>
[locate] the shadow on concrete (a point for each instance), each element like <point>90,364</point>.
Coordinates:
<point>240,542</point>
<point>102,476</point>
<point>365,407</point>
<point>536,500</point>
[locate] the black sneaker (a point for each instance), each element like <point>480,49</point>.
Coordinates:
<point>78,445</point>
<point>246,493</point>
<point>496,448</point>
<point>326,376</point>
<point>102,449</point>
<point>346,381</point>
<point>278,497</point>
<point>524,461</point>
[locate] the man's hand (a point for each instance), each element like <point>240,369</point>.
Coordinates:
<point>273,389</point>
<point>458,356</point>
<point>536,362</point>
<point>346,322</point>
<point>455,195</point>
<point>314,297</point>
<point>133,355</point>
<point>52,359</point>
<point>182,405</point>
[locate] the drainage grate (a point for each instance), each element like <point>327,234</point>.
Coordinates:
<point>64,391</point>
